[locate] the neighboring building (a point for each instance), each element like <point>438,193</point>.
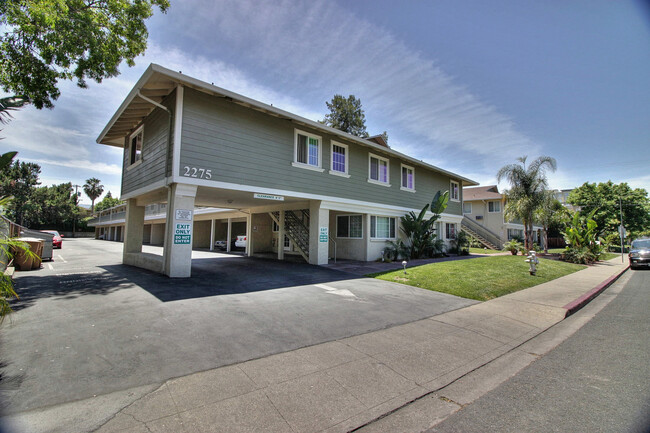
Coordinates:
<point>211,165</point>
<point>563,195</point>
<point>483,211</point>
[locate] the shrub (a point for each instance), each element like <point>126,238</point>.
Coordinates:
<point>579,255</point>
<point>514,246</point>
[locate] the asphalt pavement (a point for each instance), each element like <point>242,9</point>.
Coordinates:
<point>598,380</point>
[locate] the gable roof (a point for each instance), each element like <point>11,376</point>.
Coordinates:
<point>158,82</point>
<point>489,192</point>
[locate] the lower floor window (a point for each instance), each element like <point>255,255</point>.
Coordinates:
<point>450,231</point>
<point>515,234</point>
<point>349,226</point>
<point>382,227</point>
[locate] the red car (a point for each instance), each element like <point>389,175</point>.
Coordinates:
<point>57,240</point>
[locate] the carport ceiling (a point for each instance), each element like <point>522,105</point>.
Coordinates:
<point>231,199</point>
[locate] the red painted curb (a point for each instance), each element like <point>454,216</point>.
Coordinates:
<point>583,300</point>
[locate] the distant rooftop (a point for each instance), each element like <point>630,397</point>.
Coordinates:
<point>490,192</point>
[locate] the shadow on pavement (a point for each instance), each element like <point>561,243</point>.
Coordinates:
<point>210,277</point>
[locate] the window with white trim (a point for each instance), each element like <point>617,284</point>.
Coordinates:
<point>276,227</point>
<point>135,146</point>
<point>454,191</point>
<point>339,159</point>
<point>349,226</point>
<point>450,230</point>
<point>378,169</point>
<point>467,207</point>
<point>382,227</point>
<point>308,150</point>
<point>408,178</point>
<point>494,206</point>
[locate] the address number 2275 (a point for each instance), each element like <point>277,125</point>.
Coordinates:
<point>199,173</point>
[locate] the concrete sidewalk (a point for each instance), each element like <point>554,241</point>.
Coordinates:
<point>343,385</point>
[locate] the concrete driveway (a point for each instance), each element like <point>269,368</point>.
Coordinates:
<point>87,325</point>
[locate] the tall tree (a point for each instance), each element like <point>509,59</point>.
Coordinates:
<point>526,193</point>
<point>18,181</point>
<point>550,213</point>
<point>45,41</point>
<point>608,199</point>
<point>346,115</point>
<point>93,190</point>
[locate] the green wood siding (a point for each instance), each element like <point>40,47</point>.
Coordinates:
<point>153,167</point>
<point>240,145</point>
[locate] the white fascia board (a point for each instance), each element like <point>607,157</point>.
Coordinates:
<point>132,94</point>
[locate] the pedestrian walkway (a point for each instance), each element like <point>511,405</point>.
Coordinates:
<point>342,385</point>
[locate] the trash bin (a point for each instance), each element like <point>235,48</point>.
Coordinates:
<point>25,262</point>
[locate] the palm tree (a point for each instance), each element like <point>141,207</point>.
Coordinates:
<point>550,212</point>
<point>93,190</point>
<point>527,186</point>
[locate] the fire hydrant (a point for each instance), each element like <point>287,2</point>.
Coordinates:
<point>534,261</point>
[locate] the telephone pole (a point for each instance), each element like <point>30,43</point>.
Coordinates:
<point>74,216</point>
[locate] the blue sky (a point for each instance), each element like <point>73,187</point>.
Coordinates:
<point>465,85</point>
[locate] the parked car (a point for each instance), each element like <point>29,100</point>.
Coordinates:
<point>240,242</point>
<point>57,240</point>
<point>221,245</point>
<point>639,253</point>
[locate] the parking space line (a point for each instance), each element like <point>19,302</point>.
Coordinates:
<point>61,257</point>
<point>49,265</point>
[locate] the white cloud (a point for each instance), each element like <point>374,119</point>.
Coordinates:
<point>94,166</point>
<point>322,46</point>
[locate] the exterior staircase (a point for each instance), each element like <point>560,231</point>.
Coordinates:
<point>486,237</point>
<point>295,229</point>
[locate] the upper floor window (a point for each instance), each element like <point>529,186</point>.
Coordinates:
<point>467,207</point>
<point>494,206</point>
<point>339,159</point>
<point>408,178</point>
<point>378,170</point>
<point>454,191</point>
<point>307,151</point>
<point>135,146</point>
<point>349,226</point>
<point>382,227</point>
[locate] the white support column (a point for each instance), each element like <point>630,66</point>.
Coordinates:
<point>212,235</point>
<point>229,239</point>
<point>133,229</point>
<point>281,237</point>
<point>249,231</point>
<point>177,252</point>
<point>319,222</point>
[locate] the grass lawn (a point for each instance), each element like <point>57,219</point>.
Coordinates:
<point>481,278</point>
<point>483,251</point>
<point>609,256</point>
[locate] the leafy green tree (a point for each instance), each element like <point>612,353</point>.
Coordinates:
<point>107,202</point>
<point>93,190</point>
<point>581,236</point>
<point>603,198</point>
<point>8,247</point>
<point>54,207</point>
<point>420,231</point>
<point>550,213</point>
<point>346,115</point>
<point>49,40</point>
<point>526,193</point>
<point>18,180</point>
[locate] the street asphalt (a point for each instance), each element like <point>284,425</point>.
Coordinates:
<point>598,380</point>
<point>86,325</point>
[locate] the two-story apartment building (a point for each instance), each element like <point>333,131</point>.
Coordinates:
<point>484,206</point>
<point>216,159</point>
